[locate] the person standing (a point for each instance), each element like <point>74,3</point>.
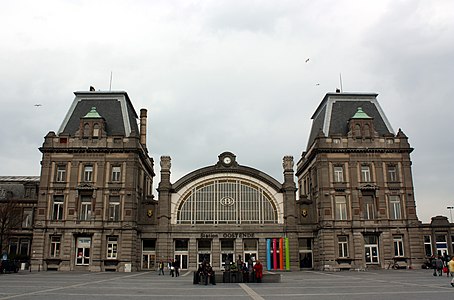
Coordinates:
<point>176,266</point>
<point>161,267</point>
<point>451,269</point>
<point>258,268</point>
<point>439,266</point>
<point>172,268</point>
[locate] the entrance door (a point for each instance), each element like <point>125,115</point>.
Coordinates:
<point>371,254</point>
<point>182,259</point>
<point>83,251</point>
<point>250,255</point>
<point>305,260</point>
<point>148,261</point>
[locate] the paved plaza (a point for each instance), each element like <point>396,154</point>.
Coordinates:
<point>370,285</point>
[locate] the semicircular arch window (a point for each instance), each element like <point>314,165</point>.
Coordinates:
<point>227,202</point>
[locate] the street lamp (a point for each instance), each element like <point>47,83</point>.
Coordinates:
<point>450,211</point>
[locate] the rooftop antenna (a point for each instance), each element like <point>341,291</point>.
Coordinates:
<point>340,79</point>
<point>110,86</point>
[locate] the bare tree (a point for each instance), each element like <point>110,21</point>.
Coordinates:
<point>10,220</point>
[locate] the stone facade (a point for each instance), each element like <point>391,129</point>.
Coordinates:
<point>356,188</point>
<point>353,206</point>
<point>96,175</point>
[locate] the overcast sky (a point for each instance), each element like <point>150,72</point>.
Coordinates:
<point>230,75</point>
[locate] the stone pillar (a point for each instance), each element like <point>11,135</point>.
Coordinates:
<point>290,211</point>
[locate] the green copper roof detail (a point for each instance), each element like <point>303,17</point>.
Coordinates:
<point>360,114</point>
<point>92,113</point>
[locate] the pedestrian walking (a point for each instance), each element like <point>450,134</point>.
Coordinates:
<point>258,268</point>
<point>451,269</point>
<point>161,267</point>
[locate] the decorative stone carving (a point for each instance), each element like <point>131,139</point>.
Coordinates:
<point>288,163</point>
<point>165,162</point>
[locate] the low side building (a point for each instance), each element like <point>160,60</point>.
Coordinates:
<point>18,198</point>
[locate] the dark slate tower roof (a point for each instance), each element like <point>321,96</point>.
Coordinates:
<point>114,106</point>
<point>336,109</point>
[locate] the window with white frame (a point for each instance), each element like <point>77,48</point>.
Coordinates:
<point>365,174</point>
<point>114,208</point>
<point>88,173</point>
<point>368,207</point>
<point>57,213</point>
<point>395,207</point>
<point>116,174</point>
<point>343,246</point>
<point>61,173</point>
<point>85,207</point>
<point>392,173</point>
<point>112,247</point>
<point>398,246</point>
<point>428,245</point>
<point>55,242</point>
<point>341,207</point>
<point>338,174</point>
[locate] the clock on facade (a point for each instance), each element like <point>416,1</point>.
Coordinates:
<point>227,160</point>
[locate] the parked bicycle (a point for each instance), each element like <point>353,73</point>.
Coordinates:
<point>393,265</point>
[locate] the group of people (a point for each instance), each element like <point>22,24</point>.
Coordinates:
<point>250,271</point>
<point>443,264</point>
<point>205,274</point>
<point>172,265</point>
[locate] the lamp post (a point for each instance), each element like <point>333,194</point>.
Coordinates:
<point>450,211</point>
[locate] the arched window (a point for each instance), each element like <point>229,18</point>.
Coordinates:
<point>366,130</point>
<point>357,130</point>
<point>227,202</point>
<point>86,130</point>
<point>96,130</point>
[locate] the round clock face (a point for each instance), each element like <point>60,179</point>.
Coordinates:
<point>227,160</point>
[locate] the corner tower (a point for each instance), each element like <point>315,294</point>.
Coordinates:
<point>355,187</point>
<point>96,175</point>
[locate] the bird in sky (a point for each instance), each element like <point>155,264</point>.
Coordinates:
<point>37,105</point>
<point>317,84</point>
<point>307,60</point>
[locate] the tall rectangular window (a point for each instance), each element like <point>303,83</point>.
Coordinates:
<point>55,242</point>
<point>112,247</point>
<point>343,246</point>
<point>398,246</point>
<point>392,173</point>
<point>341,208</point>
<point>27,218</point>
<point>428,245</point>
<point>88,173</point>
<point>85,208</point>
<point>338,174</point>
<point>368,208</point>
<point>114,208</point>
<point>61,173</point>
<point>395,207</point>
<point>116,173</point>
<point>365,174</point>
<point>57,213</point>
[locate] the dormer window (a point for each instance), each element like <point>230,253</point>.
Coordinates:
<point>92,125</point>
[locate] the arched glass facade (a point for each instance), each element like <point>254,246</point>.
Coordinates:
<point>227,201</point>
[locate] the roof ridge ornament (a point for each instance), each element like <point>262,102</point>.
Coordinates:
<point>93,113</point>
<point>360,114</point>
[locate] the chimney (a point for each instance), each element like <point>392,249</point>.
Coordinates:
<point>143,127</point>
